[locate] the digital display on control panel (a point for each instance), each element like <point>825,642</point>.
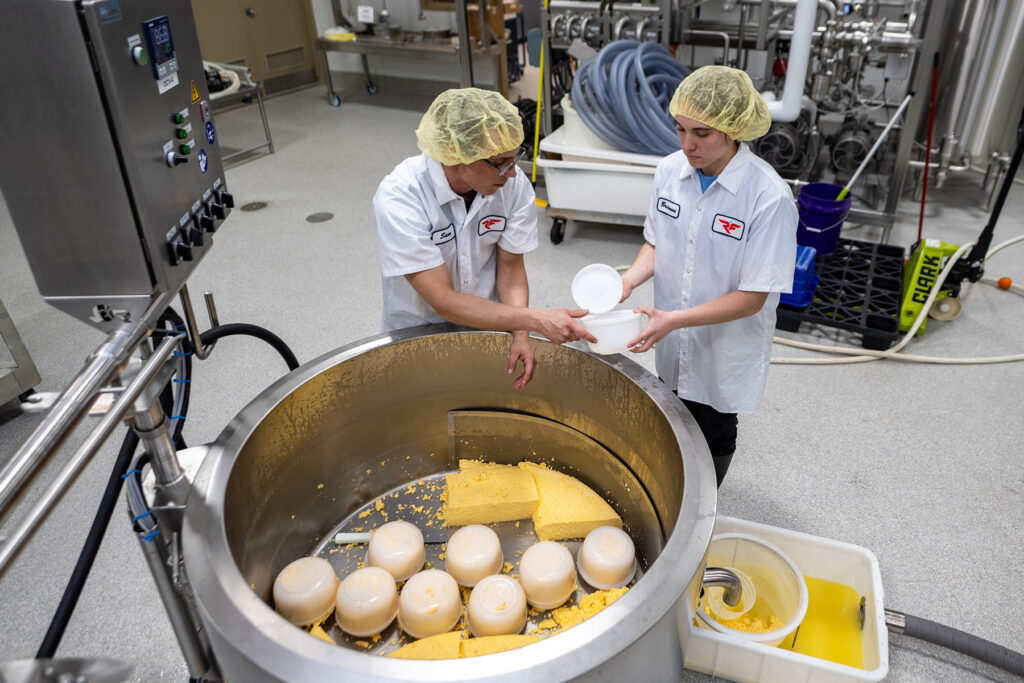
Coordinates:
<point>161,46</point>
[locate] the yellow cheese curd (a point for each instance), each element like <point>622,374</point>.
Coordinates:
<point>483,493</point>
<point>748,623</point>
<point>569,616</point>
<point>441,646</point>
<point>568,508</point>
<point>489,645</point>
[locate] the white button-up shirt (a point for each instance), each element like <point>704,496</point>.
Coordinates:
<point>738,235</point>
<point>422,224</point>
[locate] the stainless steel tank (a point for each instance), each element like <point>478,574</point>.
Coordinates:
<point>257,503</point>
<point>979,97</point>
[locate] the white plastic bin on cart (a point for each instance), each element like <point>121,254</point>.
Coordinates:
<point>732,658</point>
<point>596,180</point>
<point>589,186</point>
<point>562,142</point>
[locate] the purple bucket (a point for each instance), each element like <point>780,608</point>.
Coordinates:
<point>821,216</point>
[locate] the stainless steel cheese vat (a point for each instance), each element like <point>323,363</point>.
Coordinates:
<point>258,503</point>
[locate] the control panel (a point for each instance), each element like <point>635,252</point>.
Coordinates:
<point>113,171</point>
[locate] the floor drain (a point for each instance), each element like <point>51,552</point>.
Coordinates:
<point>254,206</point>
<point>319,217</point>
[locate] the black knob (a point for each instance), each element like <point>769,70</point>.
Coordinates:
<point>226,199</point>
<point>194,236</point>
<point>206,222</point>
<point>217,210</point>
<point>179,251</point>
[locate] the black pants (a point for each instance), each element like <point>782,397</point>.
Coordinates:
<point>719,431</point>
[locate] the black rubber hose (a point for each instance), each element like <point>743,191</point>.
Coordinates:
<point>971,645</point>
<point>185,377</point>
<point>92,545</point>
<point>108,502</point>
<point>231,329</point>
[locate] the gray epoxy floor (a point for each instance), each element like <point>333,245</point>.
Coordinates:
<point>921,464</point>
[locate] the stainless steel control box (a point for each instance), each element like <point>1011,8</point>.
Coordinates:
<point>110,163</point>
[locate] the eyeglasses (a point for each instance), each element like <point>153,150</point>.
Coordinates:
<point>507,166</point>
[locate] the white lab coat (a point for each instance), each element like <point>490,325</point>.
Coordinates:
<point>738,235</point>
<point>422,223</point>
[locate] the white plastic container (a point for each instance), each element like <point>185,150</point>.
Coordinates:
<point>572,146</point>
<point>598,187</point>
<point>613,330</point>
<point>769,573</point>
<point>576,132</point>
<point>723,655</point>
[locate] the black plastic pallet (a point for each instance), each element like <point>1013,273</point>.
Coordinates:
<point>860,289</point>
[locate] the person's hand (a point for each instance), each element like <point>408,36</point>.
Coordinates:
<point>659,324</point>
<point>559,325</point>
<point>627,289</point>
<point>520,350</point>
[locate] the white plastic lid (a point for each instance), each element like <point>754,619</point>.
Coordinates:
<point>597,288</point>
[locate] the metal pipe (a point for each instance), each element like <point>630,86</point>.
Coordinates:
<point>66,413</point>
<point>177,610</point>
<point>722,34</point>
<point>71,405</point>
<point>465,49</point>
<point>788,107</point>
<point>727,579</point>
<point>67,476</point>
<point>938,164</point>
<point>895,621</point>
<point>201,352</point>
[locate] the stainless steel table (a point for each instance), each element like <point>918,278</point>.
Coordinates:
<point>246,94</point>
<point>18,373</point>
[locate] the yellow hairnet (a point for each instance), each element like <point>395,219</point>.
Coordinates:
<point>725,99</point>
<point>467,124</point>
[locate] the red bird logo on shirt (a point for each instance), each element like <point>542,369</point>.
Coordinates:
<point>729,226</point>
<point>489,224</point>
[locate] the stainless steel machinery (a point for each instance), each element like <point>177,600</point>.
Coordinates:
<point>834,73</point>
<point>111,164</point>
<point>374,416</point>
<point>115,196</point>
<point>111,170</point>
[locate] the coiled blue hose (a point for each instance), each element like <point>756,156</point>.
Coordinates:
<point>623,94</point>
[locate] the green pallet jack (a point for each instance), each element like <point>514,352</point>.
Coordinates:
<point>929,256</point>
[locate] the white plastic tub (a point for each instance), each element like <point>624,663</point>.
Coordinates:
<point>572,147</point>
<point>722,655</point>
<point>613,330</point>
<point>601,187</point>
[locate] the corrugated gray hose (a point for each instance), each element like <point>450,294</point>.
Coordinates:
<point>623,93</point>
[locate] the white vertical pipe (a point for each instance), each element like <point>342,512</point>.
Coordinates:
<point>788,108</point>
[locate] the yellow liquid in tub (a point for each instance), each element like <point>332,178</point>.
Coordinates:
<point>831,630</point>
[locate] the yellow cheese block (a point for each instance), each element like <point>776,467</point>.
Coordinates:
<point>481,493</point>
<point>568,508</point>
<point>488,645</point>
<point>443,646</point>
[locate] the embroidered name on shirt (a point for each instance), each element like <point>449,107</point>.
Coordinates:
<point>669,208</point>
<point>443,235</point>
<point>730,227</point>
<point>491,224</point>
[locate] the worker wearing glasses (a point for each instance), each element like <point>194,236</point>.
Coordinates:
<point>720,243</point>
<point>454,222</point>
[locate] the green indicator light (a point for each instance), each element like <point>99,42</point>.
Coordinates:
<point>185,149</point>
<point>181,133</point>
<point>177,118</point>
